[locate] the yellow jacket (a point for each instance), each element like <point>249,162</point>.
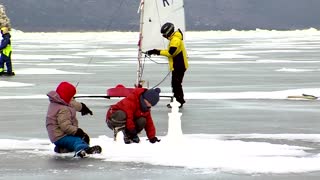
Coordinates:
<point>178,61</point>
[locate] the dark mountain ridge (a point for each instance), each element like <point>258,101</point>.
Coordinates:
<point>121,15</point>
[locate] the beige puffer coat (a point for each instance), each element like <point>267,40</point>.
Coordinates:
<point>61,117</point>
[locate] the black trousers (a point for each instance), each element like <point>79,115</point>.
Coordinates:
<point>176,84</point>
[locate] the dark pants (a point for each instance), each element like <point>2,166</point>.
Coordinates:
<point>119,118</point>
<point>176,84</point>
<point>7,60</point>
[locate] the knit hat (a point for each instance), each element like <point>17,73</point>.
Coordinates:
<point>66,91</point>
<point>152,96</point>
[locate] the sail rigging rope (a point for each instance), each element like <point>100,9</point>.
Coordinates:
<point>141,64</point>
<point>146,56</point>
<point>162,80</point>
<point>90,60</point>
<point>108,26</point>
<point>114,14</point>
<point>169,72</point>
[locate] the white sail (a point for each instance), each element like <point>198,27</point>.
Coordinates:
<point>154,14</point>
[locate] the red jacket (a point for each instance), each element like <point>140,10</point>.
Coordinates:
<point>131,106</point>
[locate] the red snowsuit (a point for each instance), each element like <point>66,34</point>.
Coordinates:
<point>131,106</point>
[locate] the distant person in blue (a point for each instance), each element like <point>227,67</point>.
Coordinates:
<point>62,123</point>
<point>177,56</point>
<point>6,51</point>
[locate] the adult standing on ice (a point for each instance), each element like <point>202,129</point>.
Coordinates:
<point>177,56</point>
<point>133,114</point>
<point>62,123</point>
<point>6,50</point>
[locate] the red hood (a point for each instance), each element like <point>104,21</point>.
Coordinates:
<point>66,91</point>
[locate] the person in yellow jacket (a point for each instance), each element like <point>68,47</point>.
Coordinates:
<point>177,56</point>
<point>6,50</point>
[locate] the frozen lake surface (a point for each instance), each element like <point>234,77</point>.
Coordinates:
<point>237,123</point>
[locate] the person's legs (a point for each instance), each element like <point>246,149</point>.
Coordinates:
<point>72,143</point>
<point>176,83</point>
<point>1,65</point>
<point>140,124</point>
<point>118,119</point>
<point>9,65</point>
<point>77,145</point>
<point>117,122</point>
<point>59,149</point>
<point>7,60</point>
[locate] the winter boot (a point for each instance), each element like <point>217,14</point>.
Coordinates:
<point>126,139</point>
<point>9,74</point>
<point>94,150</point>
<point>169,106</point>
<point>82,153</point>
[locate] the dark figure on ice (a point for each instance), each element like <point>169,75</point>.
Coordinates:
<point>62,123</point>
<point>133,114</point>
<point>6,51</point>
<point>177,56</point>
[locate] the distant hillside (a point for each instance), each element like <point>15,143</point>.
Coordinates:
<point>106,15</point>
